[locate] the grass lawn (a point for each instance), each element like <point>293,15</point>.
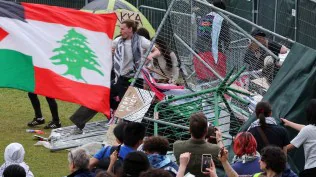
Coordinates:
<point>15,111</point>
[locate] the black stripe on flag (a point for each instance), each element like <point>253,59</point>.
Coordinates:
<point>12,10</point>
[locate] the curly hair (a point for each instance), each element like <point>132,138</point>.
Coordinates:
<point>156,144</point>
<point>274,157</point>
<point>245,143</point>
<point>155,173</point>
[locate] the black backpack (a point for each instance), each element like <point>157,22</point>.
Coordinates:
<point>105,162</point>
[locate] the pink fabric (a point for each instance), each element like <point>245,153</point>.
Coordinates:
<point>158,88</point>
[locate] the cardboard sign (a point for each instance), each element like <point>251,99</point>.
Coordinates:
<point>134,104</point>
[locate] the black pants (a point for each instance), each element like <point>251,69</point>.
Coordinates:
<point>119,88</point>
<point>37,106</point>
<point>84,114</point>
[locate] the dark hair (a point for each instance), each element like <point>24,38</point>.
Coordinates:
<point>198,125</point>
<point>135,163</point>
<point>274,157</point>
<point>311,112</point>
<point>156,144</point>
<point>220,4</point>
<point>143,32</point>
<point>14,170</point>
<point>118,131</point>
<point>103,174</point>
<point>131,24</point>
<point>165,51</point>
<point>134,132</point>
<point>245,143</point>
<point>211,135</point>
<point>263,110</point>
<point>155,173</point>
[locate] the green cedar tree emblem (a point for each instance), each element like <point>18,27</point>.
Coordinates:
<point>76,54</point>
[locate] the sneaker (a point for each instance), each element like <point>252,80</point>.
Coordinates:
<point>36,121</point>
<point>76,131</point>
<point>53,125</point>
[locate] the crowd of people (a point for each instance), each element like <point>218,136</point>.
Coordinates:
<point>259,152</point>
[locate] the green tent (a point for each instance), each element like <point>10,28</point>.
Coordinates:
<point>123,9</point>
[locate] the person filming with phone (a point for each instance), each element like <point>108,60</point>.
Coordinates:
<point>196,145</point>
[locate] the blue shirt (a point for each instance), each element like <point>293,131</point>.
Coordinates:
<point>105,152</point>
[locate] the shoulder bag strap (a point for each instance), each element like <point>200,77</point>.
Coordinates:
<point>263,136</point>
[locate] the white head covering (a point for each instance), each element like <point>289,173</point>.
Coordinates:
<point>14,154</point>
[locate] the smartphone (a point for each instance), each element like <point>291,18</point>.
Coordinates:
<point>206,162</point>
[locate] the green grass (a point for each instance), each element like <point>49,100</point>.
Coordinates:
<point>15,111</point>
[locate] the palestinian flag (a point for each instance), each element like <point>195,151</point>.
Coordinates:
<point>57,52</point>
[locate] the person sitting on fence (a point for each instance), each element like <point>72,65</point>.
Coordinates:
<point>166,65</point>
<point>257,58</point>
<point>156,148</point>
<point>14,154</point>
<point>134,134</point>
<point>265,129</point>
<point>78,163</point>
<point>196,145</point>
<point>306,137</point>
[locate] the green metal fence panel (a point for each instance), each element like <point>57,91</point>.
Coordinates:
<point>306,33</point>
<point>243,9</point>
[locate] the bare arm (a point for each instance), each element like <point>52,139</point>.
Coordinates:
<point>175,67</point>
<point>184,160</point>
<point>293,125</point>
<point>283,49</point>
<point>93,162</point>
<point>290,147</point>
<point>211,170</point>
<point>113,159</point>
<point>223,157</point>
<point>219,138</point>
<point>229,170</point>
<point>285,149</point>
<point>154,53</point>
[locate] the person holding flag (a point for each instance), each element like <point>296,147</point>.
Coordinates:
<point>128,52</point>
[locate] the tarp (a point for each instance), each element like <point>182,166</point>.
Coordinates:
<point>291,90</point>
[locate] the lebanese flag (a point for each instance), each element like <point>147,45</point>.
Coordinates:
<point>57,52</point>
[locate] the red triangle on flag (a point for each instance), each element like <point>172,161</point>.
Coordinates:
<point>3,34</point>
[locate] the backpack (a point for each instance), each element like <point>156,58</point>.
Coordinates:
<point>104,163</point>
